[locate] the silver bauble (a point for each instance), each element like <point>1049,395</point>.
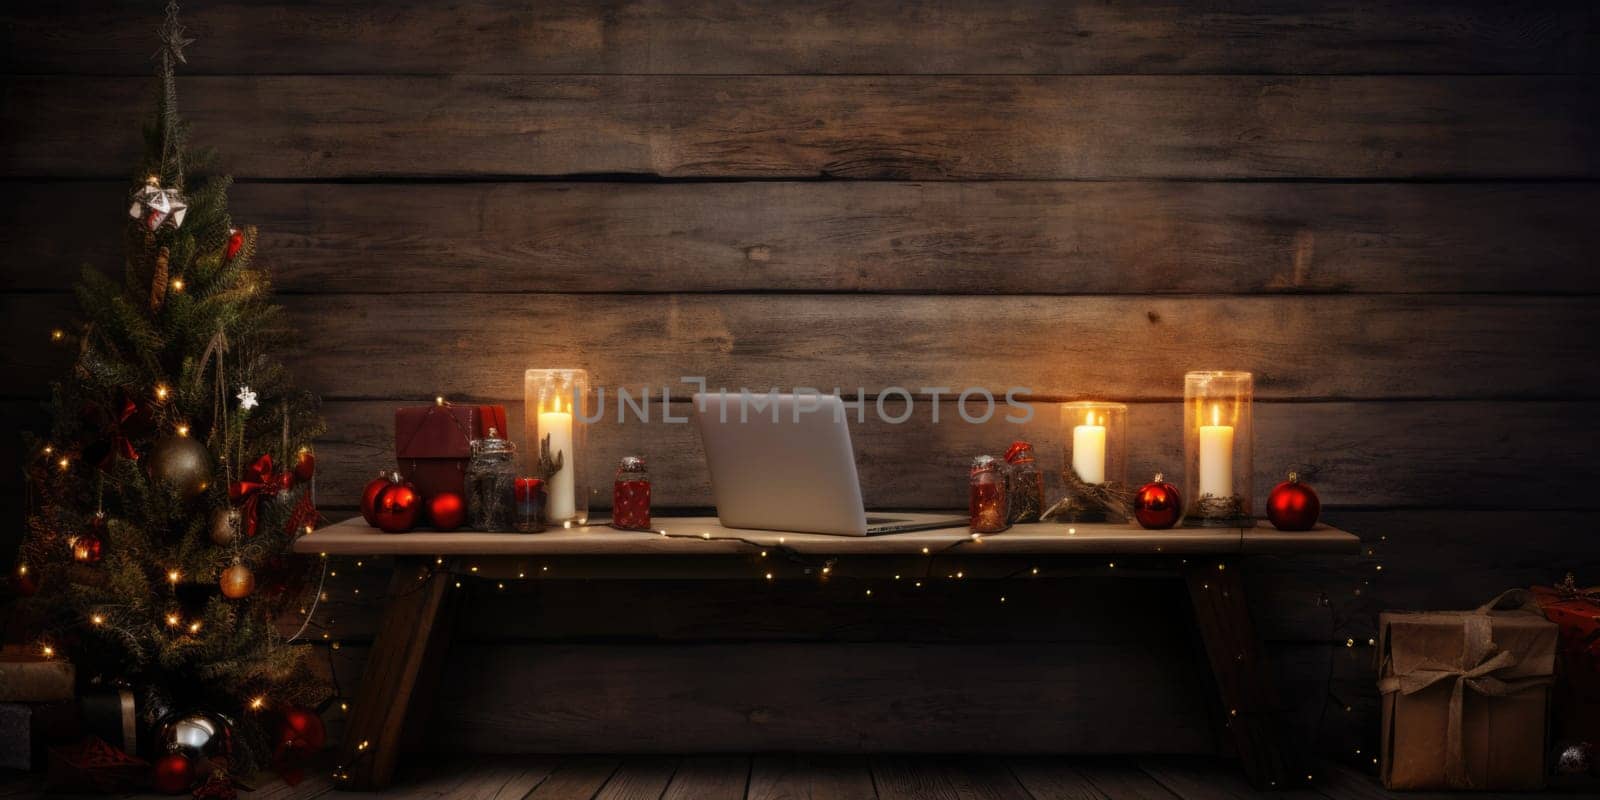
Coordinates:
<point>181,463</point>
<point>224,526</point>
<point>1576,759</point>
<point>198,734</point>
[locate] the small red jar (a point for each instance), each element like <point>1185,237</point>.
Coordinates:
<point>630,496</point>
<point>987,503</point>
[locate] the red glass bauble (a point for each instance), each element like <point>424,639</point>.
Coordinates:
<point>301,732</point>
<point>1157,505</point>
<point>235,244</point>
<point>88,548</point>
<point>1293,506</point>
<point>369,497</point>
<point>173,773</point>
<point>305,465</point>
<point>397,507</point>
<point>447,511</point>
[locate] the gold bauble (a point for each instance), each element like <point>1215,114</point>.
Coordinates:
<point>224,526</point>
<point>181,463</point>
<point>237,581</point>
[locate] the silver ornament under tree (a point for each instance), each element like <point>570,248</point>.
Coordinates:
<point>181,463</point>
<point>198,734</point>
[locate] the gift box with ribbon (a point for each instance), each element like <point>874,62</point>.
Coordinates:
<point>1576,609</point>
<point>432,444</point>
<point>1466,695</point>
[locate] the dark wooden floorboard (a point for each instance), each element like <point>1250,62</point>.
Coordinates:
<point>506,777</point>
<point>1210,779</point>
<point>907,778</point>
<point>1055,779</point>
<point>639,778</point>
<point>576,779</point>
<point>316,784</point>
<point>980,778</point>
<point>20,784</point>
<point>710,778</point>
<point>1120,779</point>
<point>810,777</point>
<point>807,777</point>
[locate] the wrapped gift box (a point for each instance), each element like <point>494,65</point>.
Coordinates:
<point>432,444</point>
<point>1576,610</point>
<point>28,729</point>
<point>27,677</point>
<point>1466,696</point>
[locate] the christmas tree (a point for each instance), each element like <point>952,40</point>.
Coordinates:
<point>177,470</point>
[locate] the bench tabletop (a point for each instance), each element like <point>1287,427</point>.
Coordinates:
<point>692,536</point>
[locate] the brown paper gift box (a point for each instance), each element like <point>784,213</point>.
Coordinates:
<point>1466,696</point>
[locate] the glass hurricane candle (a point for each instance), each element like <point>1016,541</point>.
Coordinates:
<point>1218,448</point>
<point>556,403</point>
<point>1094,439</point>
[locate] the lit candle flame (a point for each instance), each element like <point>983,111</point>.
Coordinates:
<point>1216,414</point>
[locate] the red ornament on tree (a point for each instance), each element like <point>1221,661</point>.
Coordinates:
<point>369,497</point>
<point>1157,505</point>
<point>397,507</point>
<point>235,244</point>
<point>305,465</point>
<point>89,548</point>
<point>173,773</point>
<point>1293,506</point>
<point>447,510</point>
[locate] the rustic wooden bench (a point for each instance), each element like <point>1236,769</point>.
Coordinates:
<point>408,652</point>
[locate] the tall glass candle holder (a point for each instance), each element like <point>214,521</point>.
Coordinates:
<point>1218,448</point>
<point>1095,447</point>
<point>556,403</point>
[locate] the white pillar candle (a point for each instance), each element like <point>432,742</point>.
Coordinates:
<point>557,425</point>
<point>1216,457</point>
<point>1089,450</point>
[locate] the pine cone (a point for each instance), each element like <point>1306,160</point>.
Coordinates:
<point>158,280</point>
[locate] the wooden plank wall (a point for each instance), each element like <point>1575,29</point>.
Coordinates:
<point>1384,209</point>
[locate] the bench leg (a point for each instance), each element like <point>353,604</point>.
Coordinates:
<point>407,655</point>
<point>1245,682</point>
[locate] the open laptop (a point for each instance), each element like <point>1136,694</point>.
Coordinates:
<point>783,462</point>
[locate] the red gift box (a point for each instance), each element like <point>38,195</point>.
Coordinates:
<point>432,444</point>
<point>1577,697</point>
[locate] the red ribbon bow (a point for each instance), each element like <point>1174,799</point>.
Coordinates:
<point>257,481</point>
<point>117,423</point>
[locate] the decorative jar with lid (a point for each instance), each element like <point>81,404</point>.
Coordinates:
<point>491,482</point>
